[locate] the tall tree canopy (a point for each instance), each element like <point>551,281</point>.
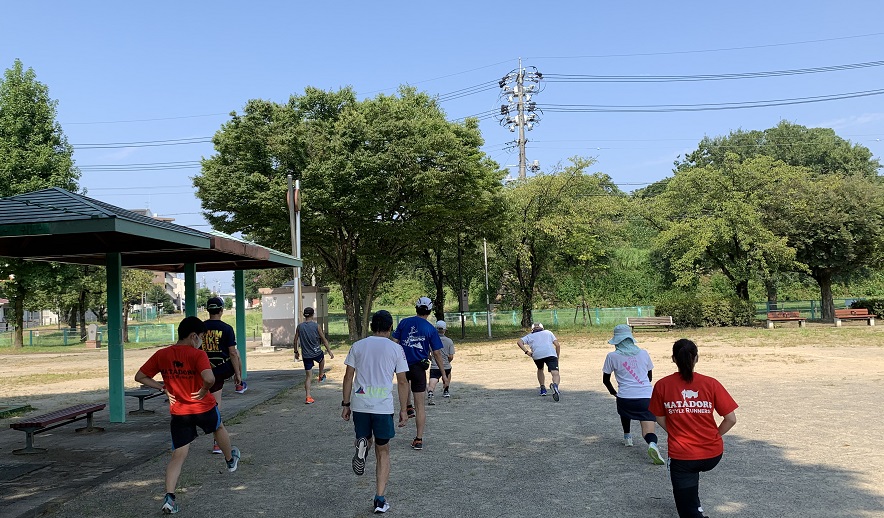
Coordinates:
<point>560,218</point>
<point>713,218</point>
<point>34,154</point>
<point>379,177</point>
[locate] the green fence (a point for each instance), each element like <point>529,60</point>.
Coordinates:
<point>148,333</point>
<point>561,318</point>
<point>807,308</point>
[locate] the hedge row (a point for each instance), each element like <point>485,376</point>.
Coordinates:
<point>875,306</point>
<point>706,311</point>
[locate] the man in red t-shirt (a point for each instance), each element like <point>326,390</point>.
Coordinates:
<point>187,378</point>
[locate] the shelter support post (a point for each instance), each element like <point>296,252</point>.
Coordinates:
<point>116,393</point>
<point>239,288</point>
<point>190,301</point>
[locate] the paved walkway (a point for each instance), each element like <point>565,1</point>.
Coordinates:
<point>75,463</point>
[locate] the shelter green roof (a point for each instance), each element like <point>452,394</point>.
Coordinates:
<point>58,225</point>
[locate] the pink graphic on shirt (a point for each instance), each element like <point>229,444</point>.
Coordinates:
<point>630,369</point>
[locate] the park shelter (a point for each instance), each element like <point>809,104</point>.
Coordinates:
<point>61,226</point>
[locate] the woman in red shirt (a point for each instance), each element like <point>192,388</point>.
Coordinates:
<point>683,403</point>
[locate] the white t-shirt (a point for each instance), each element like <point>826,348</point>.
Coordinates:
<point>447,350</point>
<point>631,373</point>
<point>541,344</point>
<point>376,360</point>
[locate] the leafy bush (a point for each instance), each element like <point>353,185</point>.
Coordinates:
<point>706,311</point>
<point>875,306</point>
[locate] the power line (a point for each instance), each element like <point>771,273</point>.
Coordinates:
<point>579,78</point>
<point>145,143</point>
<point>725,49</point>
<point>147,120</point>
<point>661,108</point>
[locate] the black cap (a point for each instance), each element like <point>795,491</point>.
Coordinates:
<point>308,311</point>
<point>215,303</point>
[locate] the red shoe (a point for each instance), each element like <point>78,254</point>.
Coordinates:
<point>309,401</point>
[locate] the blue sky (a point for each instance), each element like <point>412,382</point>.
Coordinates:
<point>186,65</point>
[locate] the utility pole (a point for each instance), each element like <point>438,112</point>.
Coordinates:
<point>518,111</point>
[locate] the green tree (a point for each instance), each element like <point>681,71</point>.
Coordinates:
<point>379,177</point>
<point>551,217</point>
<point>713,218</point>
<point>157,295</point>
<point>136,284</point>
<point>818,149</point>
<point>834,223</point>
<point>267,278</point>
<point>34,154</point>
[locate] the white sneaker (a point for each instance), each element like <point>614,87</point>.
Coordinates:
<point>627,441</point>
<point>654,454</point>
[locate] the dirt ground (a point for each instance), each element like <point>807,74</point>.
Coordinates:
<point>805,444</point>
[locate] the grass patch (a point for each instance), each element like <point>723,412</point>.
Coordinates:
<point>16,411</point>
<point>39,379</point>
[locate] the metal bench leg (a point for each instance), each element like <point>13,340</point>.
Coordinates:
<point>141,410</point>
<point>770,324</point>
<point>837,322</point>
<point>29,445</point>
<point>871,321</point>
<point>89,428</point>
<point>802,323</point>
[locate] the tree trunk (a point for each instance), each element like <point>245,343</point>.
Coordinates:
<point>742,289</point>
<point>18,316</point>
<point>81,310</point>
<point>126,323</point>
<point>772,288</point>
<point>527,319</point>
<point>827,305</point>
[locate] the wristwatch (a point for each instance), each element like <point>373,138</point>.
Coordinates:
<point>344,404</point>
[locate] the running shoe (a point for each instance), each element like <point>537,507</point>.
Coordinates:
<point>169,505</point>
<point>241,388</point>
<point>233,463</point>
<point>381,506</point>
<point>542,391</point>
<point>359,457</point>
<point>627,441</point>
<point>417,444</point>
<point>555,391</point>
<point>216,449</point>
<point>309,401</point>
<point>445,393</point>
<point>321,378</point>
<point>410,410</point>
<point>430,398</point>
<point>654,454</point>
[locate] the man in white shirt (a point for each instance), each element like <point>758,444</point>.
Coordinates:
<point>368,387</point>
<point>543,347</point>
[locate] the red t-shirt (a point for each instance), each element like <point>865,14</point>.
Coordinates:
<point>181,366</point>
<point>687,407</point>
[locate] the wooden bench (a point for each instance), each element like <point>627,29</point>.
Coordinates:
<point>785,316</point>
<point>143,393</point>
<point>854,314</point>
<point>634,322</point>
<point>42,423</point>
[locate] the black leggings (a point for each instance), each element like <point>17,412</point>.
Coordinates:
<point>685,477</point>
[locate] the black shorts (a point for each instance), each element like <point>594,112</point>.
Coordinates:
<point>686,473</point>
<point>222,373</point>
<point>552,363</point>
<point>635,409</point>
<point>183,427</point>
<point>437,374</point>
<point>417,375</point>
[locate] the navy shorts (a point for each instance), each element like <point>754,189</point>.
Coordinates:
<point>308,362</point>
<point>222,373</point>
<point>417,375</point>
<point>183,427</point>
<point>378,425</point>
<point>437,374</point>
<point>635,409</point>
<point>552,363</point>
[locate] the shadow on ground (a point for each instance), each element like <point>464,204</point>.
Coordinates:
<point>487,453</point>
